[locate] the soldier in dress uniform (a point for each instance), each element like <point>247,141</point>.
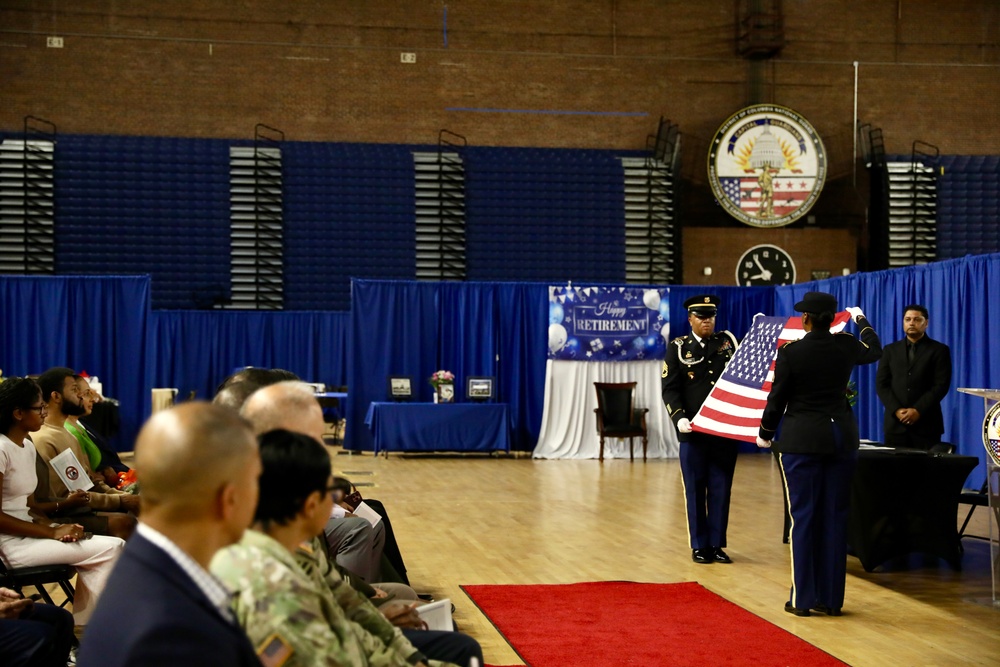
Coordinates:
<point>691,368</point>
<point>818,450</point>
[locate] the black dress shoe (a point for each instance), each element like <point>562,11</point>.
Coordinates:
<point>829,611</point>
<point>795,610</point>
<point>703,556</point>
<point>720,556</point>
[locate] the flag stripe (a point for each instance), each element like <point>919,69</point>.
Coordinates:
<point>736,403</point>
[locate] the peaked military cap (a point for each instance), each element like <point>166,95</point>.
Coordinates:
<point>703,304</point>
<point>817,302</point>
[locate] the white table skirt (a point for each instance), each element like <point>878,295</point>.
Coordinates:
<point>569,426</point>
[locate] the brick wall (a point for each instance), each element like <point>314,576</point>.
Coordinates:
<point>331,71</point>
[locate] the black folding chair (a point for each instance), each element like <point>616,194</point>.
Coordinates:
<point>18,578</point>
<point>975,499</point>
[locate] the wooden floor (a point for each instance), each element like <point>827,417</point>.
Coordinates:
<point>480,520</point>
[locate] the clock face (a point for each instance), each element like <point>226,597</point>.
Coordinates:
<point>765,265</point>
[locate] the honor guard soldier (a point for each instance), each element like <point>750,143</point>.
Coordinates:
<point>818,450</point>
<point>691,368</point>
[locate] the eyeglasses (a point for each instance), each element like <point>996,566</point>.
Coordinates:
<point>40,409</point>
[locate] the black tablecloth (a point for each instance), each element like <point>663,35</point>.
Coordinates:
<point>904,503</point>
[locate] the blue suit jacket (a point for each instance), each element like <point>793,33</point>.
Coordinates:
<point>151,614</point>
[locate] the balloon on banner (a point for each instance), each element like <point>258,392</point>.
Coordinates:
<point>664,310</point>
<point>651,298</point>
<point>572,347</point>
<point>557,337</point>
<point>556,313</point>
<point>665,331</point>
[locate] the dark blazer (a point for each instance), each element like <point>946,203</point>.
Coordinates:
<point>151,614</point>
<point>921,385</point>
<point>690,371</point>
<point>810,381</point>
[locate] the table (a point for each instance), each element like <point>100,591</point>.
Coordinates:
<point>428,427</point>
<point>906,501</point>
<point>333,411</point>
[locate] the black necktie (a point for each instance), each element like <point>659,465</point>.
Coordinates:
<point>910,349</point>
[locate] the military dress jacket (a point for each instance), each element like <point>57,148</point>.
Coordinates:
<point>690,370</point>
<point>809,391</point>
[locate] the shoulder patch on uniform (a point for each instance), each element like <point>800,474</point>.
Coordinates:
<point>274,651</point>
<point>790,342</point>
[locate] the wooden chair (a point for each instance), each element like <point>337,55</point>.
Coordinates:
<point>617,416</point>
<point>17,578</point>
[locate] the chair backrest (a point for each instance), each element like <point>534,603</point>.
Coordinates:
<point>615,400</point>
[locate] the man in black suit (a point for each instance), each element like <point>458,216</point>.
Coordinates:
<point>818,450</point>
<point>198,466</point>
<point>913,377</point>
<point>691,368</point>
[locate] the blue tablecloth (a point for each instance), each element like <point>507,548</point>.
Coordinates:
<point>428,427</point>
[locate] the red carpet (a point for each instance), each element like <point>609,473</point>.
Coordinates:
<point>625,623</point>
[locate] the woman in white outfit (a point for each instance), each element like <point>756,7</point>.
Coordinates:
<point>27,542</point>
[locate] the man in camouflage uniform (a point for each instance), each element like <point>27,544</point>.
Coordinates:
<point>692,366</point>
<point>289,612</point>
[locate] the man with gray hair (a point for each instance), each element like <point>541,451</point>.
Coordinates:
<point>292,405</point>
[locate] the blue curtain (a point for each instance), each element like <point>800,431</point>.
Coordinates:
<point>460,327</point>
<point>195,350</point>
<point>956,294</point>
<point>92,323</point>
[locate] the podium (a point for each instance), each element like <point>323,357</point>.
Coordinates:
<point>991,440</point>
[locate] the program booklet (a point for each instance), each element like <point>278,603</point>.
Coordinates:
<point>366,512</point>
<point>437,615</point>
<point>71,472</point>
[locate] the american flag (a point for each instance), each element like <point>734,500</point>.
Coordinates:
<point>789,193</point>
<point>734,407</point>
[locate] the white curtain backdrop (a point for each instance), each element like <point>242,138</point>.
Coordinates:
<point>569,426</point>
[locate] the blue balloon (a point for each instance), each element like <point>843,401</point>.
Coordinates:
<point>572,348</point>
<point>665,310</point>
<point>556,313</point>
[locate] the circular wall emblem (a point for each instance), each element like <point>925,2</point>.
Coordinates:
<point>991,433</point>
<point>766,166</point>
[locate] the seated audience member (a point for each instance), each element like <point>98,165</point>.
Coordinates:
<point>33,634</point>
<point>25,542</point>
<point>198,466</point>
<point>285,609</point>
<point>357,544</point>
<point>72,424</point>
<point>234,392</point>
<point>59,391</point>
<point>109,457</point>
<point>292,406</point>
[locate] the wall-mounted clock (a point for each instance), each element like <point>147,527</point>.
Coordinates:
<point>765,265</point>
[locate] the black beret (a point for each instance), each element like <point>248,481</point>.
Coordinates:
<point>703,304</point>
<point>817,302</point>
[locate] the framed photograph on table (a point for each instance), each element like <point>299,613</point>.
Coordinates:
<point>479,388</point>
<point>400,388</point>
<point>446,392</point>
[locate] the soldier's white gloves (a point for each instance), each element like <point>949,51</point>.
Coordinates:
<point>684,426</point>
<point>856,313</point>
<point>763,444</point>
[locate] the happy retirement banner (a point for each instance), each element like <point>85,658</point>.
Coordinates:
<point>607,323</point>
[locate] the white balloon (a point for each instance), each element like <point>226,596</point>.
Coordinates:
<point>557,337</point>
<point>652,299</point>
<point>665,331</point>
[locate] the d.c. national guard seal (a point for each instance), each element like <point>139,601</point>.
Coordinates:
<point>766,165</point>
